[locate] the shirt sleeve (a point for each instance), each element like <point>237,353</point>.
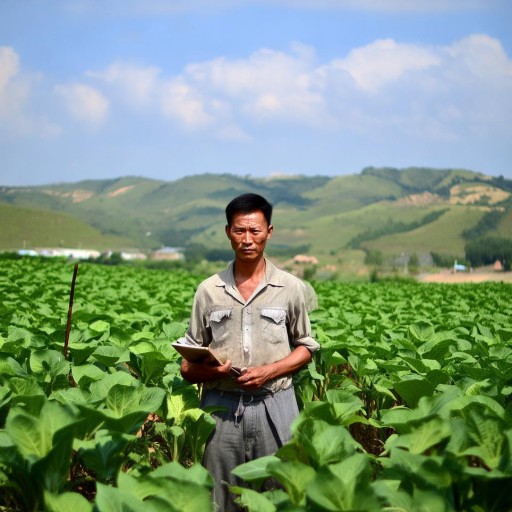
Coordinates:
<point>198,332</point>
<point>300,326</point>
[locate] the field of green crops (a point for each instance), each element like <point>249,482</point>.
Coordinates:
<point>407,407</point>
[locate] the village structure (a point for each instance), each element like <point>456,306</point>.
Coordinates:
<point>165,253</point>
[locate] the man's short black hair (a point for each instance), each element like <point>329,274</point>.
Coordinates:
<point>248,203</point>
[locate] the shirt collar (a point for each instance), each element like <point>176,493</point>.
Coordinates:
<point>272,276</point>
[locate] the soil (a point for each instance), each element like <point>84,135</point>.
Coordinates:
<point>477,276</point>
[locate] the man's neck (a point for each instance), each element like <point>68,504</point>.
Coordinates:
<point>249,272</point>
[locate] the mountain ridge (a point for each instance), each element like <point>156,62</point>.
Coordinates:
<point>323,214</point>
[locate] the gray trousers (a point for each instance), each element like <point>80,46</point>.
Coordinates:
<point>245,430</point>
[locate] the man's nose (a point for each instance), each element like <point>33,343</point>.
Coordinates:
<point>247,237</point>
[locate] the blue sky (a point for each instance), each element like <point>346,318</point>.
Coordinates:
<point>168,88</point>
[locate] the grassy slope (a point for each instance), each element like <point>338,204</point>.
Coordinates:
<point>325,213</point>
<point>26,227</point>
<point>442,236</point>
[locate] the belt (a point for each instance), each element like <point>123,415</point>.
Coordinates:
<point>247,398</point>
<point>243,400</point>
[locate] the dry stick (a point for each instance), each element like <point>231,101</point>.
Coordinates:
<point>70,311</point>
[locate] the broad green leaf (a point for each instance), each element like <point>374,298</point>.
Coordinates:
<point>112,499</point>
<point>421,331</point>
<point>66,502</point>
<point>255,470</point>
<point>488,434</point>
<point>252,501</point>
<point>174,330</point>
<point>100,388</point>
<point>294,476</point>
<point>87,373</point>
<point>196,473</point>
<point>324,443</point>
<point>412,387</point>
<point>99,326</point>
<point>45,360</point>
<point>344,486</point>
<point>103,455</point>
<point>34,435</point>
<point>425,436</point>
<point>111,355</point>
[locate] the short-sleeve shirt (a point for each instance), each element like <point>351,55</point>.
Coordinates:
<point>261,330</point>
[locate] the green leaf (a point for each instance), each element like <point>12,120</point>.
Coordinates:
<point>255,471</point>
<point>112,499</point>
<point>99,326</point>
<point>425,436</point>
<point>344,486</point>
<point>44,360</point>
<point>34,435</point>
<point>66,502</point>
<point>100,388</point>
<point>196,473</point>
<point>412,387</point>
<point>324,443</point>
<point>111,355</point>
<point>103,455</point>
<point>421,331</point>
<point>252,501</point>
<point>87,373</point>
<point>294,476</point>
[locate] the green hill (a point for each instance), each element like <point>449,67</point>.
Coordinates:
<point>337,219</point>
<point>28,228</point>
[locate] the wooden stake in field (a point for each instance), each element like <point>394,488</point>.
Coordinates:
<point>70,311</point>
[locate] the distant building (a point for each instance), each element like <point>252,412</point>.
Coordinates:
<point>130,256</point>
<point>27,252</point>
<point>76,254</point>
<point>458,267</point>
<point>168,253</point>
<point>498,266</point>
<point>303,258</point>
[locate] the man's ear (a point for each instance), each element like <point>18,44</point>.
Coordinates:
<point>226,229</point>
<point>270,231</point>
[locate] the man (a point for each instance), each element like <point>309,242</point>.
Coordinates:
<point>254,317</point>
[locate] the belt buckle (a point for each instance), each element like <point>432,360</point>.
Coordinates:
<point>244,395</point>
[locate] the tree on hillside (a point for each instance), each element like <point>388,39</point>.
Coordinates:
<point>485,251</point>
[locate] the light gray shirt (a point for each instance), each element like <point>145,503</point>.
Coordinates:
<point>261,330</point>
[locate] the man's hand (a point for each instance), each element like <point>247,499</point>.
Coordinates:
<point>256,377</point>
<point>196,373</point>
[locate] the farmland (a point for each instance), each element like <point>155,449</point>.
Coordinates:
<point>406,407</point>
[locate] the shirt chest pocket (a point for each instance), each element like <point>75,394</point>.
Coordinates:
<point>273,325</point>
<point>221,323</point>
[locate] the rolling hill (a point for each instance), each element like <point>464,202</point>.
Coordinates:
<point>337,219</point>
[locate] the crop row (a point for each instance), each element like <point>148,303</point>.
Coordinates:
<point>406,407</point>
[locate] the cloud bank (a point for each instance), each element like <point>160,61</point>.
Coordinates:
<point>382,89</point>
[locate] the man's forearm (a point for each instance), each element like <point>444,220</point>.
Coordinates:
<point>196,373</point>
<point>256,376</point>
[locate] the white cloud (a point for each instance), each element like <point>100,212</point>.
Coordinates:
<point>13,90</point>
<point>267,85</point>
<point>184,103</point>
<point>9,66</point>
<point>384,61</point>
<point>137,84</point>
<point>15,94</point>
<point>85,103</point>
<point>385,85</point>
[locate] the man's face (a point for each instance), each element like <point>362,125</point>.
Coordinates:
<point>249,233</point>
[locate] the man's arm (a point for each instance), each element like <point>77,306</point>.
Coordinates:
<point>196,373</point>
<point>256,377</point>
